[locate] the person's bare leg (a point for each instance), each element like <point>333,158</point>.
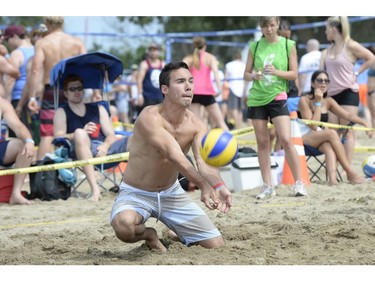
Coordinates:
<point>83,151</point>
<point>129,228</point>
<point>212,243</point>
<point>13,154</point>
<point>216,116</point>
<point>45,146</point>
<point>331,162</point>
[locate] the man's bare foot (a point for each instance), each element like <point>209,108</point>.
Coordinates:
<point>167,233</point>
<point>19,199</point>
<point>153,241</point>
<point>354,178</point>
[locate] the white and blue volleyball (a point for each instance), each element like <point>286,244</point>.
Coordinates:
<point>368,166</point>
<point>218,148</point>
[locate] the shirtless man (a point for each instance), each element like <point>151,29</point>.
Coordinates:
<point>50,50</point>
<point>163,134</point>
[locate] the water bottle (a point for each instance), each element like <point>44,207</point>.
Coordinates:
<point>268,77</point>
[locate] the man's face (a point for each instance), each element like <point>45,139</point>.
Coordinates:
<point>74,92</point>
<point>181,86</point>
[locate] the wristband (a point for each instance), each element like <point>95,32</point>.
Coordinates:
<point>30,141</point>
<point>218,186</point>
<point>32,98</point>
<point>318,104</point>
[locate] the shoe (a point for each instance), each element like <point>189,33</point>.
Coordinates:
<point>266,191</point>
<point>299,189</point>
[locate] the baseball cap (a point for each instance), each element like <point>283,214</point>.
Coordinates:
<point>12,30</point>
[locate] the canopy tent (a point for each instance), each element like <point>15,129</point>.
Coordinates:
<point>95,69</point>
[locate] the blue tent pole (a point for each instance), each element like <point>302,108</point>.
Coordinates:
<point>168,50</point>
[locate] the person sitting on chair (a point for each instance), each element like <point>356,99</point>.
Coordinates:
<point>77,122</point>
<point>315,106</point>
<point>19,151</point>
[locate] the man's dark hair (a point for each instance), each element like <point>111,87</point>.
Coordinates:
<point>165,75</point>
<point>69,79</point>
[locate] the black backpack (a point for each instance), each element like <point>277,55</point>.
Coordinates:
<point>46,185</point>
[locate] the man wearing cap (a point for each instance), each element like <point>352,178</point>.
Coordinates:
<point>49,50</point>
<point>148,78</point>
<point>22,51</point>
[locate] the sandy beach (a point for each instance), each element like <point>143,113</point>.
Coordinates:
<point>331,226</point>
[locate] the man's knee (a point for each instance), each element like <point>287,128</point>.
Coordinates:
<point>213,243</point>
<point>124,227</point>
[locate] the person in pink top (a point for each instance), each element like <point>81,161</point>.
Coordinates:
<point>338,60</point>
<point>201,63</point>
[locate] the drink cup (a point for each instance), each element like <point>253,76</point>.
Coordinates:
<point>95,134</point>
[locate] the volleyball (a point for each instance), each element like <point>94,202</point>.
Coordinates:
<point>368,166</point>
<point>218,148</point>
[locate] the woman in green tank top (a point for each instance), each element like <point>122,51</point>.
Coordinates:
<point>271,62</point>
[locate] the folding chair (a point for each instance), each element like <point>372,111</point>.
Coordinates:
<point>313,153</point>
<point>107,170</point>
<point>97,70</point>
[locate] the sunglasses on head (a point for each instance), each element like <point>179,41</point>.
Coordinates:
<point>74,89</point>
<point>320,81</point>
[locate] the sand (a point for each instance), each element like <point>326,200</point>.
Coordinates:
<point>331,226</point>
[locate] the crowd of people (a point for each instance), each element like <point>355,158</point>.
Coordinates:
<point>174,105</point>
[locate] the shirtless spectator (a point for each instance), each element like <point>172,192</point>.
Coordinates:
<point>50,50</point>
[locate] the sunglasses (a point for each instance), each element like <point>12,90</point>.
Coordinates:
<point>320,81</point>
<point>75,89</point>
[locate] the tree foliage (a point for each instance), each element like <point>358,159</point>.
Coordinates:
<point>27,22</point>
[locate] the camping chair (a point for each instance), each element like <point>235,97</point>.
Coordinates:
<point>313,153</point>
<point>97,70</point>
<point>107,170</point>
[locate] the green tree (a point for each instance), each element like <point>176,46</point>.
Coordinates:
<point>27,22</point>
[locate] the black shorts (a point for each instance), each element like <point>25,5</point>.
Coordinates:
<point>3,150</point>
<point>273,109</point>
<point>204,100</point>
<point>347,97</point>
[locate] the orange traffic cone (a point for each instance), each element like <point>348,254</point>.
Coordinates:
<point>298,144</point>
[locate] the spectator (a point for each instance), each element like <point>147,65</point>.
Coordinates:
<point>19,151</point>
<point>237,86</point>
<point>338,60</point>
<point>49,50</point>
<point>201,63</point>
<point>315,106</point>
<point>121,94</point>
<point>148,78</point>
<point>22,51</point>
<point>131,79</point>
<point>267,100</point>
<point>309,63</point>
<point>76,121</point>
<point>371,90</point>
